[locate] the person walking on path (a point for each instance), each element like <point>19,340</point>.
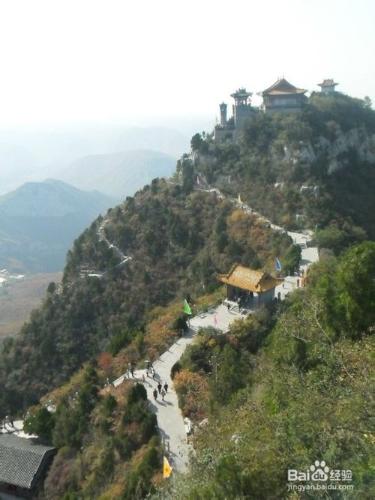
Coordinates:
<point>132,370</point>
<point>166,387</point>
<point>155,393</point>
<point>162,394</point>
<point>159,387</point>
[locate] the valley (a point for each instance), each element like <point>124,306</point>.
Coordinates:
<point>18,297</point>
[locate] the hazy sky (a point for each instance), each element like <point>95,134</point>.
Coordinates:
<point>132,61</point>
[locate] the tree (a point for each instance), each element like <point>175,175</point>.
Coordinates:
<point>180,323</point>
<point>41,423</point>
<point>187,176</point>
<point>192,391</point>
<point>355,296</point>
<point>105,361</point>
<point>109,404</point>
<point>51,288</point>
<point>227,374</point>
<point>196,142</point>
<point>137,393</point>
<point>292,259</point>
<point>367,102</point>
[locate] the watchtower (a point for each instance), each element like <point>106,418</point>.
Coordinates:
<point>223,114</point>
<point>242,109</point>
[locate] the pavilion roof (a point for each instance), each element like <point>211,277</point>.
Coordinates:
<point>329,82</point>
<point>242,92</point>
<point>248,279</point>
<point>283,87</point>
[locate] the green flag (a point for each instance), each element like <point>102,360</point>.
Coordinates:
<point>187,308</point>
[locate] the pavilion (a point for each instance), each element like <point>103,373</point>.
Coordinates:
<point>248,287</point>
<point>327,86</point>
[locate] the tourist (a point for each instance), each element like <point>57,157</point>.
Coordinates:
<point>155,393</point>
<point>166,387</point>
<point>159,387</point>
<point>148,367</point>
<point>132,370</point>
<point>162,394</point>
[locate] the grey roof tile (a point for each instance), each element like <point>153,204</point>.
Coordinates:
<point>20,460</point>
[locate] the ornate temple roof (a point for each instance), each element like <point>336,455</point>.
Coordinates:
<point>241,92</point>
<point>248,279</point>
<point>283,87</point>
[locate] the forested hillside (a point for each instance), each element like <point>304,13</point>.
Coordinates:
<point>286,386</point>
<point>178,240</point>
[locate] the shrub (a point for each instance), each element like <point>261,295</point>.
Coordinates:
<point>137,393</point>
<point>193,394</point>
<point>119,341</point>
<point>41,423</point>
<point>180,323</point>
<point>175,369</point>
<point>139,483</point>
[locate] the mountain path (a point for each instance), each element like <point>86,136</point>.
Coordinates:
<point>170,419</point>
<point>102,237</point>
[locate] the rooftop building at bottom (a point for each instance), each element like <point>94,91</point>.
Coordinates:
<point>23,465</point>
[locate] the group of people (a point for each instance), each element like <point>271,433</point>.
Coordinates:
<point>160,389</point>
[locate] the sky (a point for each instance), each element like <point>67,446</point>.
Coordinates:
<point>138,62</point>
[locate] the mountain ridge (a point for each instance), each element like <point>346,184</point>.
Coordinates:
<point>23,200</point>
<point>40,220</point>
<point>118,174</point>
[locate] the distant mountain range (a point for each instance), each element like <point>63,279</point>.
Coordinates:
<point>118,174</point>
<point>40,220</point>
<point>33,154</point>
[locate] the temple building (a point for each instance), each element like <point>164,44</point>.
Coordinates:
<point>282,96</point>
<point>327,86</point>
<point>248,287</point>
